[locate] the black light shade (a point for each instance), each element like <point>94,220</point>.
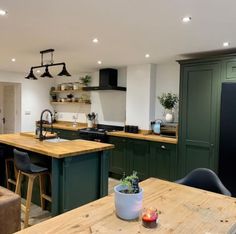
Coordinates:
<point>64,72</point>
<point>46,73</point>
<point>31,75</point>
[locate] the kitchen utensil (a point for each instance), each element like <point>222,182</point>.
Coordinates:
<point>156,126</point>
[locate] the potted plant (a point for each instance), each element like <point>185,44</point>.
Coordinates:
<point>85,80</point>
<point>168,101</point>
<point>128,197</point>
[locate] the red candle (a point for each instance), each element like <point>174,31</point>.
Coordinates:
<point>149,218</point>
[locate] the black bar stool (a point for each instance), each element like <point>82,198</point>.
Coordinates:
<point>32,171</point>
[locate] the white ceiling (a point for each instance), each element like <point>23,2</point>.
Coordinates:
<point>126,29</point>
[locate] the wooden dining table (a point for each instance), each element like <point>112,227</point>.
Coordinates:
<point>181,209</point>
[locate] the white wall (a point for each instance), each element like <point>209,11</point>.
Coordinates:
<point>140,102</point>
<point>167,80</point>
<point>34,98</point>
<point>110,105</point>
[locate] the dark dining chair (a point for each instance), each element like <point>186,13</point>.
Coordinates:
<point>204,178</point>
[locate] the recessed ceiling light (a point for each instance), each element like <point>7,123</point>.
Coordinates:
<point>186,19</point>
<point>226,44</point>
<point>99,62</point>
<point>38,71</point>
<point>13,59</point>
<point>95,40</point>
<point>147,55</point>
<point>3,12</point>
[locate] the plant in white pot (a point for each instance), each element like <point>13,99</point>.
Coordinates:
<point>168,101</point>
<point>128,197</point>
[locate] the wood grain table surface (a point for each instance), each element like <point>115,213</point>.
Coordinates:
<point>142,136</point>
<point>181,209</point>
<point>57,150</point>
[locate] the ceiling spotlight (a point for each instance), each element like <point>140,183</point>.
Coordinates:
<point>3,12</point>
<point>99,62</point>
<point>186,19</point>
<point>95,40</point>
<point>13,59</point>
<point>31,75</point>
<point>147,55</point>
<point>48,64</point>
<point>226,44</point>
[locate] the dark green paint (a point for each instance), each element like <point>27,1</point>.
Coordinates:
<point>198,110</point>
<point>146,157</point>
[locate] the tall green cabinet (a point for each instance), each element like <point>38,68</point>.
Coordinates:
<point>199,110</point>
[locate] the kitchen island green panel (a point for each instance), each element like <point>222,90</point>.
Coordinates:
<point>78,180</point>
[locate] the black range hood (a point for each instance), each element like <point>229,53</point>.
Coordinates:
<point>107,81</point>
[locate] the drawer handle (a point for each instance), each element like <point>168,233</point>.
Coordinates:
<point>163,147</point>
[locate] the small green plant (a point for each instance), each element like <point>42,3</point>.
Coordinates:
<point>85,80</point>
<point>130,183</point>
<point>168,100</point>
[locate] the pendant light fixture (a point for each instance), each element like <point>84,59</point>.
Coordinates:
<point>64,72</point>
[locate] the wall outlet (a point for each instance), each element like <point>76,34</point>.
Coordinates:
<point>27,112</point>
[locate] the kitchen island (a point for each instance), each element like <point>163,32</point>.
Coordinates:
<point>79,168</point>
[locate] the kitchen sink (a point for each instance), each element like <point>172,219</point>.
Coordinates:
<point>56,140</point>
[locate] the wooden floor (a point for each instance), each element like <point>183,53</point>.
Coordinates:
<point>37,215</point>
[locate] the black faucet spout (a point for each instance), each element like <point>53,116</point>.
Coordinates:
<point>41,137</point>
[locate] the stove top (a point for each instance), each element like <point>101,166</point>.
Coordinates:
<point>93,130</point>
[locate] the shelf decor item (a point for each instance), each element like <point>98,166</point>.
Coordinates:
<point>85,80</point>
<point>128,197</point>
<point>168,101</point>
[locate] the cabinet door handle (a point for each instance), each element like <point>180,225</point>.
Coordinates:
<point>163,147</point>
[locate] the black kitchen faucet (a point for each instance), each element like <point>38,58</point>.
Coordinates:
<point>41,136</point>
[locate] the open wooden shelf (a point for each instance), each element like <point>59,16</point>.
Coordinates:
<point>73,103</point>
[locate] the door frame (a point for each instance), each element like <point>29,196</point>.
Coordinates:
<point>17,105</point>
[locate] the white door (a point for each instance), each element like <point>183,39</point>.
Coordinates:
<point>8,119</point>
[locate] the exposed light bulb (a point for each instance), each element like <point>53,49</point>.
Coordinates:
<point>3,12</point>
<point>226,44</point>
<point>186,19</point>
<point>95,40</point>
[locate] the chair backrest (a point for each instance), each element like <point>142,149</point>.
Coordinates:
<point>204,178</point>
<point>22,161</point>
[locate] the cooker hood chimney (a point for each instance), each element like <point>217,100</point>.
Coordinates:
<point>107,81</point>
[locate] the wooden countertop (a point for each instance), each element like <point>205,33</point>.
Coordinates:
<point>56,150</point>
<point>147,137</point>
<point>181,209</point>
<point>66,125</point>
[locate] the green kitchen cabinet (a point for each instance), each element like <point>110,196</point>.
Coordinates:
<point>229,70</point>
<point>137,151</point>
<point>199,116</point>
<point>163,161</point>
<point>65,134</point>
<point>148,158</point>
<point>118,164</point>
